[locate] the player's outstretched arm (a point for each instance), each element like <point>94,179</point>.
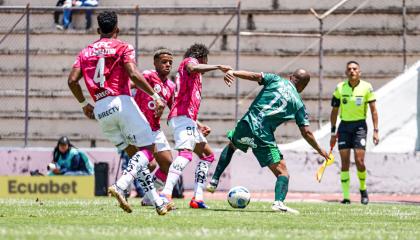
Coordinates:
<point>202,68</point>
<point>309,137</point>
<point>252,76</point>
<point>141,83</point>
<point>73,82</point>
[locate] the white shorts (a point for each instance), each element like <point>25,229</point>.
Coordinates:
<point>161,142</point>
<point>186,133</point>
<point>122,122</point>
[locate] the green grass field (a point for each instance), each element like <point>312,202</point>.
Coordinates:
<point>102,219</point>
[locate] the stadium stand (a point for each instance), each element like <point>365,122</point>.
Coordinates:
<point>53,112</point>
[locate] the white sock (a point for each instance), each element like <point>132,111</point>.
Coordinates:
<point>200,179</point>
<point>149,189</point>
<point>175,170</point>
<point>124,181</point>
<point>134,165</point>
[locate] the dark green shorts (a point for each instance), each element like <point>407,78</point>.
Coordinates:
<point>243,138</point>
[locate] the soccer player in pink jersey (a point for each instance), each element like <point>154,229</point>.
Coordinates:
<point>158,79</point>
<point>182,119</point>
<point>107,66</point>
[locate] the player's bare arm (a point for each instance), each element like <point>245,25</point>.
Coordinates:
<point>73,82</point>
<point>141,83</point>
<point>333,120</point>
<point>252,76</point>
<point>374,114</point>
<point>309,137</point>
<point>202,68</point>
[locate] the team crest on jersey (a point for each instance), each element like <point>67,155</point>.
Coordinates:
<point>157,88</point>
<point>164,91</point>
<point>248,141</point>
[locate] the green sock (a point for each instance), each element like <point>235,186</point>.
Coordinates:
<point>362,179</point>
<point>345,184</point>
<point>224,161</point>
<point>282,186</point>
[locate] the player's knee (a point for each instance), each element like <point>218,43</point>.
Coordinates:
<point>152,165</point>
<point>185,154</point>
<point>209,158</point>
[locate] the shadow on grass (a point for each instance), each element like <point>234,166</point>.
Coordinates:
<point>238,210</point>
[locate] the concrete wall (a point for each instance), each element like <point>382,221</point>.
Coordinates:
<point>387,173</point>
<point>371,36</point>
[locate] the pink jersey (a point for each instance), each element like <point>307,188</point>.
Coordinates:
<point>102,65</point>
<point>188,92</point>
<point>147,104</point>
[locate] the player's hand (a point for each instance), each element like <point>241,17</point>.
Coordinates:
<point>205,130</point>
<point>324,154</point>
<point>56,171</point>
<point>375,138</point>
<point>224,68</point>
<point>229,78</point>
<point>159,107</point>
<point>333,140</point>
<point>88,111</point>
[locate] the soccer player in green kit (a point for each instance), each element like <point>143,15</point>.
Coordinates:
<point>278,102</point>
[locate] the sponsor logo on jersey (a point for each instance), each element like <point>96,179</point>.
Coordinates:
<point>157,88</point>
<point>102,94</point>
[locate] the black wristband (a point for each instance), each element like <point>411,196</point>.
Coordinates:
<point>376,130</point>
<point>333,128</point>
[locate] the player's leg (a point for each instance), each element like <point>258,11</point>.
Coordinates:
<point>237,141</point>
<point>138,133</point>
<point>271,157</point>
<point>183,129</point>
<point>359,156</point>
<point>224,160</point>
<point>163,156</point>
<point>206,155</point>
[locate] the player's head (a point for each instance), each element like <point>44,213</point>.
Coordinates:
<point>108,23</point>
<point>353,70</point>
<point>300,78</point>
<point>198,51</point>
<point>162,59</point>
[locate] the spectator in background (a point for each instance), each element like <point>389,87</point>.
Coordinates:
<point>68,160</point>
<point>57,13</point>
<point>81,3</point>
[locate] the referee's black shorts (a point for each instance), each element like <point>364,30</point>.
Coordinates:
<point>352,134</point>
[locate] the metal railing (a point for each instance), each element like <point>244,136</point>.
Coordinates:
<point>132,31</point>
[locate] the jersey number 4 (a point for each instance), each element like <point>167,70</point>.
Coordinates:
<point>99,72</point>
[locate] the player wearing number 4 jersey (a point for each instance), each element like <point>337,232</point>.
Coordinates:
<point>182,118</point>
<point>107,66</point>
<point>277,102</point>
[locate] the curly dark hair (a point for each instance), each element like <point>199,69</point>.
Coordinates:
<point>197,50</point>
<point>107,21</point>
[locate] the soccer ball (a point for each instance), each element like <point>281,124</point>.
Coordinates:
<point>238,197</point>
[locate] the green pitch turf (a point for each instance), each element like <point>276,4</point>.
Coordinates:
<point>102,219</point>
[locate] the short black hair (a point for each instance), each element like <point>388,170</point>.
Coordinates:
<point>107,21</point>
<point>161,51</point>
<point>352,61</point>
<point>197,50</point>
